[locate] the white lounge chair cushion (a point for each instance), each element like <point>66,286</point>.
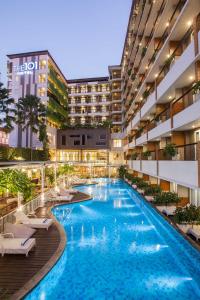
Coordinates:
<point>149,198</point>
<point>19,230</point>
<point>16,246</point>
<point>33,222</point>
<point>195,231</point>
<point>170,210</point>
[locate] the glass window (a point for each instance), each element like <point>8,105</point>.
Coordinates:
<point>41,92</point>
<point>42,78</point>
<point>117,143</point>
<point>63,140</point>
<point>43,64</point>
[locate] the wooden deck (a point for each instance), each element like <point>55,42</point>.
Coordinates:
<point>18,273</point>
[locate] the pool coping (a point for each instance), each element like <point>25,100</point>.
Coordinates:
<point>169,220</point>
<point>35,280</point>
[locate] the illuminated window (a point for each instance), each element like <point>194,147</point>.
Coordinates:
<point>43,64</point>
<point>94,88</point>
<point>103,98</point>
<point>42,78</point>
<point>72,121</point>
<point>117,143</point>
<point>104,119</point>
<point>93,99</point>
<point>82,99</point>
<point>93,109</point>
<point>103,108</point>
<point>83,89</point>
<point>41,92</point>
<point>82,120</point>
<point>72,100</point>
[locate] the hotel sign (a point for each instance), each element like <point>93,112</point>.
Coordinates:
<point>26,68</point>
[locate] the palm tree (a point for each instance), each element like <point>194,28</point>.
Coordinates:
<point>7,112</point>
<point>31,116</point>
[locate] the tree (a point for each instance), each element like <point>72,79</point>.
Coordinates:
<point>122,171</point>
<point>15,181</point>
<point>31,115</point>
<point>7,112</point>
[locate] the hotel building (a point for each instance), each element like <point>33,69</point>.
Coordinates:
<point>161,94</point>
<point>36,73</point>
<point>151,99</point>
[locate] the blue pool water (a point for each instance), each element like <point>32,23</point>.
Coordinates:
<point>118,247</point>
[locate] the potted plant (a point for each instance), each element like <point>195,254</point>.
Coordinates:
<point>196,90</point>
<point>147,155</point>
<point>134,156</point>
<point>166,198</point>
<point>122,172</point>
<point>146,94</point>
<point>189,214</point>
<point>144,50</point>
<point>153,190</point>
<point>170,150</point>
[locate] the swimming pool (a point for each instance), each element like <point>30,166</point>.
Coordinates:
<point>118,247</point>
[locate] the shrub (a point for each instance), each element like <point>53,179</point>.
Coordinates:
<point>153,190</point>
<point>170,150</point>
<point>189,214</point>
<point>134,156</point>
<point>146,154</point>
<point>142,185</point>
<point>122,172</point>
<point>166,198</point>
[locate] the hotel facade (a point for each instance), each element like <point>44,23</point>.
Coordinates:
<point>161,93</point>
<point>151,99</point>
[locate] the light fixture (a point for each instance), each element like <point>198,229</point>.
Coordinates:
<point>191,77</point>
<point>168,55</point>
<point>156,75</point>
<point>193,126</point>
<point>189,23</point>
<point>167,24</point>
<point>140,44</point>
<point>170,97</point>
<point>146,67</point>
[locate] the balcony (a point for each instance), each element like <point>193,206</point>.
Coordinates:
<point>182,169</point>
<point>178,68</point>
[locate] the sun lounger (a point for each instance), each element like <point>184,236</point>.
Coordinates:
<point>33,222</point>
<point>194,231</point>
<point>11,245</point>
<point>59,197</point>
<point>149,198</point>
<point>134,186</point>
<point>140,191</point>
<point>19,230</point>
<point>169,210</point>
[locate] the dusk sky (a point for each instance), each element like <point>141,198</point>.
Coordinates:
<point>83,36</point>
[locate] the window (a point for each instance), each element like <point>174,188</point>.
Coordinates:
<point>63,140</point>
<point>77,143</point>
<point>74,135</point>
<point>41,92</point>
<point>117,143</point>
<point>43,64</point>
<point>42,78</point>
<point>83,139</point>
<point>102,137</point>
<point>100,143</point>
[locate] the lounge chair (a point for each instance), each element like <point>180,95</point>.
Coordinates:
<point>140,191</point>
<point>11,245</point>
<point>33,222</point>
<point>134,186</point>
<point>59,197</point>
<point>68,191</point>
<point>169,210</point>
<point>195,232</point>
<point>149,198</point>
<point>19,230</point>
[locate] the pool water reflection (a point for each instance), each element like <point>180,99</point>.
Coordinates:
<point>118,247</point>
